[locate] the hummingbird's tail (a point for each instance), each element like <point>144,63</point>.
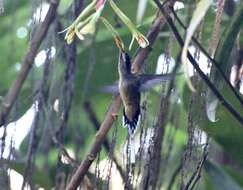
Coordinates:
<point>133,124</point>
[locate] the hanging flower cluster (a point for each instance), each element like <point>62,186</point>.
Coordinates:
<point>86,22</point>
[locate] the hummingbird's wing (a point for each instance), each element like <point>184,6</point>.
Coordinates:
<point>147,81</point>
<point>112,89</point>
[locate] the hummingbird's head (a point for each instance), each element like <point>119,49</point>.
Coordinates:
<point>124,64</point>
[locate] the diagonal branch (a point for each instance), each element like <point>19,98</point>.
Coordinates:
<point>27,62</point>
<point>92,116</point>
<point>99,139</point>
<point>211,86</point>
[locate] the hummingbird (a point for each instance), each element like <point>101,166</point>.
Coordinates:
<point>130,87</point>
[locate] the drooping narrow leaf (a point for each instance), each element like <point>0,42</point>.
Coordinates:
<point>197,17</point>
<point>142,4</point>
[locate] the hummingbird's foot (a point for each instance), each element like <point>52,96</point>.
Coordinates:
<point>114,115</point>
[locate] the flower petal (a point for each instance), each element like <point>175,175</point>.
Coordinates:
<point>141,39</point>
<point>80,36</point>
<point>85,12</point>
<point>99,4</point>
<point>89,28</point>
<point>70,37</point>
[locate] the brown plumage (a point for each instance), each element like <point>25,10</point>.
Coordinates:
<point>130,87</point>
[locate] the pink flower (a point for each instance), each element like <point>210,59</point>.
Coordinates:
<point>99,4</point>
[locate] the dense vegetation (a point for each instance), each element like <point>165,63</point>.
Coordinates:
<point>52,87</point>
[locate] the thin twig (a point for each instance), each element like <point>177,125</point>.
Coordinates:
<point>70,52</point>
<point>34,136</point>
<point>224,102</point>
<point>158,137</point>
<point>63,150</point>
<point>27,63</point>
<point>174,175</point>
<point>196,174</point>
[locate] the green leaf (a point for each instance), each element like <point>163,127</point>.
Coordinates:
<point>197,17</point>
<point>142,5</point>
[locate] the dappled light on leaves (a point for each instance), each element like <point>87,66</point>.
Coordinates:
<point>59,130</point>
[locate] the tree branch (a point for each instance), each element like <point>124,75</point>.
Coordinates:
<point>92,116</point>
<point>99,139</point>
<point>27,62</point>
<point>197,173</point>
<point>158,137</point>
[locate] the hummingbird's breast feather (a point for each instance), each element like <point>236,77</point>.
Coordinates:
<point>130,95</point>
